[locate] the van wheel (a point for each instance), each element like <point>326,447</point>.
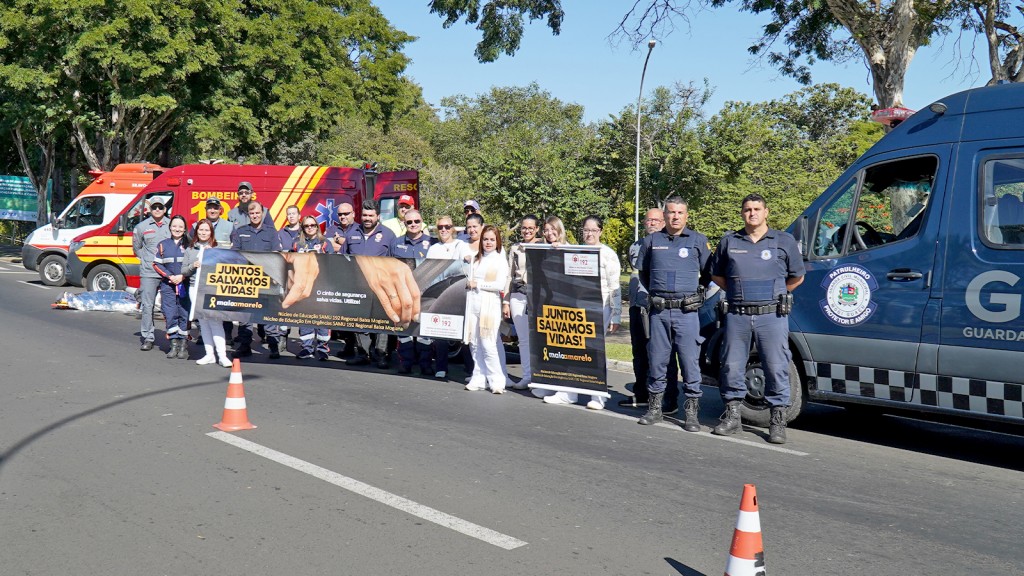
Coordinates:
<point>755,410</point>
<point>51,270</point>
<point>104,277</point>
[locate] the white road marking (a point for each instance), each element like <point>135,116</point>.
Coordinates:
<point>27,283</point>
<point>672,426</point>
<point>5,271</point>
<point>388,499</point>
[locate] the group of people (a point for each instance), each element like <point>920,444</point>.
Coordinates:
<point>756,266</point>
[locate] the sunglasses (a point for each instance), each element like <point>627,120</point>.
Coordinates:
<point>310,225</point>
<point>408,222</point>
<point>344,213</point>
<point>444,226</point>
<point>158,207</point>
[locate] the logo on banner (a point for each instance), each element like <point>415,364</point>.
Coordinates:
<point>238,280</point>
<point>848,295</point>
<point>577,264</point>
<point>565,327</point>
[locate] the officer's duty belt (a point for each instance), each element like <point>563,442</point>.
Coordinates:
<point>753,309</point>
<point>689,303</point>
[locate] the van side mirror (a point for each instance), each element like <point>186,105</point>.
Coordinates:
<point>122,224</point>
<point>54,221</point>
<point>800,233</point>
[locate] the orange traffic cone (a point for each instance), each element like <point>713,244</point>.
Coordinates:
<point>236,417</point>
<point>746,555</point>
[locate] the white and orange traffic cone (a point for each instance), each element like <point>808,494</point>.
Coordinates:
<point>235,417</point>
<point>746,555</point>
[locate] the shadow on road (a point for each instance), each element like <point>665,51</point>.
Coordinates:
<point>21,444</point>
<point>948,440</point>
<point>683,569</point>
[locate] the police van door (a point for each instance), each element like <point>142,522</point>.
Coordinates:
<point>981,339</point>
<point>869,275</point>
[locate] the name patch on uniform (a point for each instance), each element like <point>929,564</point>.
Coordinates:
<point>736,251</point>
<point>847,299</point>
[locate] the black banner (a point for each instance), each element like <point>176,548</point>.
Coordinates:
<point>354,293</point>
<point>566,319</point>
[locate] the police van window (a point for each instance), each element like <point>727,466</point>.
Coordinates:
<point>828,242</point>
<point>889,206</point>
<point>86,212</point>
<point>1002,193</point>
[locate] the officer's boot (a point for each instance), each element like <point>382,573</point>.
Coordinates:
<point>730,422</point>
<point>692,410</point>
<point>173,351</point>
<point>273,344</point>
<point>653,415</point>
<point>182,349</point>
<point>777,425</point>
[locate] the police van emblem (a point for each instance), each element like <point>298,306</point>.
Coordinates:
<point>684,253</point>
<point>766,254</point>
<point>847,299</point>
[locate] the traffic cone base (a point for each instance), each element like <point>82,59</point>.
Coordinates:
<point>746,554</point>
<point>236,416</point>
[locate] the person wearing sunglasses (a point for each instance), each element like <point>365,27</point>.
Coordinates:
<point>346,220</point>
<point>447,247</point>
<point>315,340</point>
<point>413,245</point>
<point>397,223</point>
<point>146,236</point>
<point>239,215</point>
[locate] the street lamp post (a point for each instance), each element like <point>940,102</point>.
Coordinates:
<point>636,217</point>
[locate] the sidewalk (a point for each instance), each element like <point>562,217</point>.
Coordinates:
<point>10,253</point>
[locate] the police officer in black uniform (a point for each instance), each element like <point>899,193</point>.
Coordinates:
<point>759,268</point>
<point>670,265</point>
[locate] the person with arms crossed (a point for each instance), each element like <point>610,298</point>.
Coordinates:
<point>414,245</point>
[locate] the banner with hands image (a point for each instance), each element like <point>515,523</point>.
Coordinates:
<point>566,314</point>
<point>354,293</point>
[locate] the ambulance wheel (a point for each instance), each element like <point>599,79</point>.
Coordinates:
<point>51,270</point>
<point>104,277</point>
<point>755,409</point>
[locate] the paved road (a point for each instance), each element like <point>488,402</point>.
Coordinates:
<point>108,468</point>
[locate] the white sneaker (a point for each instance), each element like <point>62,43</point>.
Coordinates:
<point>475,387</point>
<point>206,360</point>
<point>556,399</point>
<point>225,362</point>
<point>441,374</point>
<point>497,391</point>
<point>595,405</point>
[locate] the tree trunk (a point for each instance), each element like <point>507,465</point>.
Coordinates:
<point>38,180</point>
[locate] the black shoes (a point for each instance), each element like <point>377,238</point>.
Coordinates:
<point>730,422</point>
<point>692,410</point>
<point>358,361</point>
<point>304,354</point>
<point>777,426</point>
<point>182,349</point>
<point>404,370</point>
<point>243,351</point>
<point>146,346</point>
<point>654,414</point>
<point>670,410</point>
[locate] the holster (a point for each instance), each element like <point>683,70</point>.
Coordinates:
<point>645,320</point>
<point>785,304</point>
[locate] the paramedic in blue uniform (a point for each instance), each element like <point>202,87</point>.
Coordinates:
<point>758,267</point>
<point>370,239</point>
<point>257,236</point>
<point>315,339</point>
<point>414,245</point>
<point>670,264</point>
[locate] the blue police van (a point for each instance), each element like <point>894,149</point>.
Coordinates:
<point>915,270</point>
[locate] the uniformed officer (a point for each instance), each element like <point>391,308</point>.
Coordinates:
<point>370,239</point>
<point>292,228</point>
<point>256,236</point>
<point>414,245</point>
<point>758,267</point>
<point>639,330</point>
<point>221,228</point>
<point>315,339</point>
<point>670,265</point>
<point>336,233</point>
<point>239,215</point>
<point>145,238</point>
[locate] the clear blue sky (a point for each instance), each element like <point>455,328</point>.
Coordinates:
<point>580,65</point>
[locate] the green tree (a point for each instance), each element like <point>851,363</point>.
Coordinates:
<point>524,152</point>
<point>500,21</point>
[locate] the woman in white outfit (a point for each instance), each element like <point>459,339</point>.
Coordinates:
<point>611,295</point>
<point>514,305</point>
<point>212,331</point>
<point>488,277</point>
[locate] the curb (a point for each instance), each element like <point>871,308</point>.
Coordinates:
<point>620,366</point>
